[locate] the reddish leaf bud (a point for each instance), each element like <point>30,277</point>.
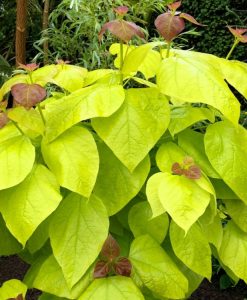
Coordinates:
<point>123,267</point>
<point>101,269</point>
<point>239,33</point>
<point>175,5</point>
<point>28,67</point>
<point>110,249</point>
<point>62,62</point>
<point>188,160</point>
<point>121,10</point>
<point>193,172</point>
<point>177,169</point>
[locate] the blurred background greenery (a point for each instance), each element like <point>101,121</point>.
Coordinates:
<point>73,33</point>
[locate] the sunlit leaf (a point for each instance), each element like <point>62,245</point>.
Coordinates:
<point>28,204</point>
<point>77,242</point>
<point>117,287</point>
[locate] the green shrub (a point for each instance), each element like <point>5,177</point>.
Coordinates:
<point>217,14</point>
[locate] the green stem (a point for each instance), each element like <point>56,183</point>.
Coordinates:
<point>17,126</point>
<point>30,76</point>
<point>168,49</point>
<point>233,47</point>
<point>121,62</point>
<point>160,51</point>
<point>41,113</point>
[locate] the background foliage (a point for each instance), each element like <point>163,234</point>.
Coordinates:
<point>217,14</point>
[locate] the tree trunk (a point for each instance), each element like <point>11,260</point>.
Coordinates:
<point>44,27</point>
<point>21,24</point>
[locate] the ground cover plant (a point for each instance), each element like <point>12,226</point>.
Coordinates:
<point>124,183</point>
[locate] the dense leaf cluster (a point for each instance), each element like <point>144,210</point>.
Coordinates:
<point>115,192</point>
<point>77,167</point>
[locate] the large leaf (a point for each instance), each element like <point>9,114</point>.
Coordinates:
<point>183,199</point>
<point>156,270</point>
<point>26,205</point>
<point>140,222</point>
<point>8,245</point>
<point>115,184</point>
<point>47,276</point>
<point>17,156</point>
<point>70,78</point>
<point>74,159</point>
<point>238,212</point>
<point>185,116</point>
<point>77,233</point>
<point>192,142</point>
<point>202,83</point>
<point>83,104</point>
<point>12,288</point>
<point>112,288</point>
<point>226,149</point>
<point>136,127</point>
<point>233,250</point>
<point>44,75</point>
<point>192,249</point>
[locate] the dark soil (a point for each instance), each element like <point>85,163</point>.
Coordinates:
<point>13,267</point>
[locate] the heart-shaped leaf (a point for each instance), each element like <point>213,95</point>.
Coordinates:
<point>28,95</point>
<point>123,30</point>
<point>169,26</point>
